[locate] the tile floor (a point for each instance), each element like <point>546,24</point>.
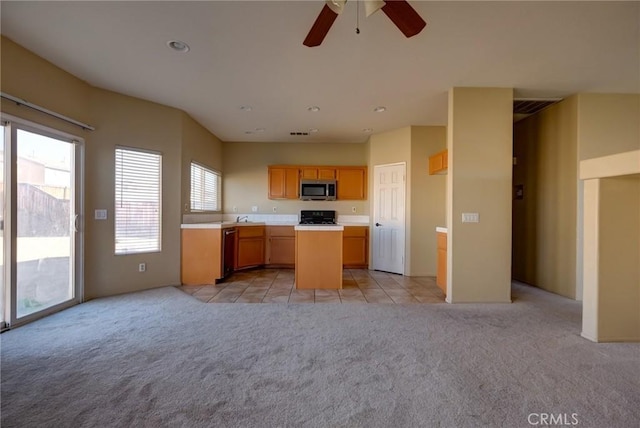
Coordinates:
<point>358,286</point>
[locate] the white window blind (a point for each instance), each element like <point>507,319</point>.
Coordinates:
<point>138,201</point>
<point>205,188</point>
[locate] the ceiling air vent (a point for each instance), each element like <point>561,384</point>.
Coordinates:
<point>298,133</point>
<point>532,105</point>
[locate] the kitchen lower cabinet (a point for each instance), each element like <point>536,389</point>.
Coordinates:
<point>249,246</point>
<point>355,247</point>
<point>201,260</point>
<point>441,278</point>
<point>318,258</point>
<point>281,246</point>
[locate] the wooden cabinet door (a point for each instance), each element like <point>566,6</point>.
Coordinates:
<point>250,246</point>
<point>283,183</point>
<point>201,259</point>
<point>282,250</point>
<point>317,173</point>
<point>352,183</point>
<point>250,252</point>
<point>281,244</point>
<point>309,173</point>
<point>326,173</point>
<point>355,247</point>
<point>439,163</point>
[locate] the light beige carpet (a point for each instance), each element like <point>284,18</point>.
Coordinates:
<point>162,358</point>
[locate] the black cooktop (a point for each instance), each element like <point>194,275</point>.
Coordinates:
<point>317,217</point>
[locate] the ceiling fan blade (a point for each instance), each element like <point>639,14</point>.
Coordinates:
<point>404,16</point>
<point>321,27</point>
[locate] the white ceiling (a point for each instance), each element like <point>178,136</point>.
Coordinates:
<point>251,53</point>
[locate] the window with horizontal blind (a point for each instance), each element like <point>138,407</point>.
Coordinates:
<point>205,188</point>
<point>138,201</point>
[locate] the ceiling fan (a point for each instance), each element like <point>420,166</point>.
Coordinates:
<point>399,12</point>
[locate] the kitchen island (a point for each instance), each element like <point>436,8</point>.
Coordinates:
<point>318,256</point>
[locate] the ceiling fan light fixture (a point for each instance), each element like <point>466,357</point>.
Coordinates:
<point>178,46</point>
<point>372,6</point>
<point>314,109</point>
<point>336,6</point>
<point>380,109</point>
<point>246,108</point>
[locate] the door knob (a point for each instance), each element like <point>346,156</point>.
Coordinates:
<point>378,225</point>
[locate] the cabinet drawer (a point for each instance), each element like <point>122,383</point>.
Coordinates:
<point>355,231</point>
<point>285,231</point>
<point>250,231</point>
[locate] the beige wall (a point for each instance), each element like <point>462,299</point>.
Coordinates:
<point>201,146</point>
<point>130,122</point>
<point>119,120</point>
<point>389,148</point>
<point>608,124</point>
<point>428,198</point>
<point>479,140</point>
<point>545,220</point>
<point>245,180</point>
<point>27,76</point>
<point>425,194</point>
<point>611,310</point>
<point>619,259</point>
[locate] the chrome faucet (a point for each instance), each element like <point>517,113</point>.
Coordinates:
<point>244,217</point>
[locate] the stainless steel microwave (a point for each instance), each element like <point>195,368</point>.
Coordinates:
<point>318,190</point>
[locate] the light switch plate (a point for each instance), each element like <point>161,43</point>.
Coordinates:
<point>470,217</point>
<point>100,214</point>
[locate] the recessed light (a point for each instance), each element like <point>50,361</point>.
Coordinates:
<point>314,108</point>
<point>367,130</point>
<point>313,130</point>
<point>380,109</point>
<point>245,108</point>
<point>178,46</point>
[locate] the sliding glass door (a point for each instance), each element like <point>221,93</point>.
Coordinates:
<point>43,221</point>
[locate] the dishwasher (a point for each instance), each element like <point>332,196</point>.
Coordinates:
<point>228,251</point>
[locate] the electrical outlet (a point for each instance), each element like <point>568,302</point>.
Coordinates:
<point>254,208</point>
<point>235,209</point>
<point>353,209</point>
<point>142,267</point>
<point>275,209</point>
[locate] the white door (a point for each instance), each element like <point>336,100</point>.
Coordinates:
<point>43,199</point>
<point>389,217</point>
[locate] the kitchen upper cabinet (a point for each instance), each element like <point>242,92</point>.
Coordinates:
<point>352,182</point>
<point>317,173</point>
<point>281,246</point>
<point>283,182</point>
<point>250,246</point>
<point>355,247</point>
<point>439,163</point>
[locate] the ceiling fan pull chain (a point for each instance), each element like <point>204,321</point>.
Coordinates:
<point>357,16</point>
